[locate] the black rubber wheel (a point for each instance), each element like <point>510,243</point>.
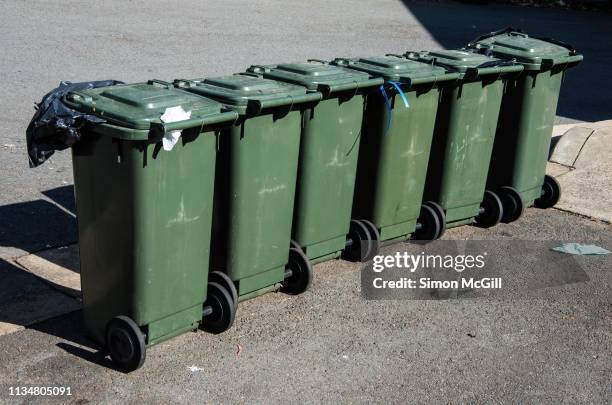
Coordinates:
<point>223,309</point>
<point>359,250</point>
<point>294,244</point>
<point>374,239</point>
<point>126,343</point>
<point>441,215</point>
<point>223,279</point>
<point>512,204</point>
<point>301,273</point>
<point>430,224</point>
<point>492,210</point>
<point>551,193</point>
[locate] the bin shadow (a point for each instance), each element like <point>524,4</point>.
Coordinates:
<point>40,224</point>
<point>26,301</point>
<point>585,95</point>
<point>71,329</point>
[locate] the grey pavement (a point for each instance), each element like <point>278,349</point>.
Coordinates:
<point>550,345</point>
<point>584,168</point>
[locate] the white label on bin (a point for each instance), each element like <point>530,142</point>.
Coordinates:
<point>173,114</point>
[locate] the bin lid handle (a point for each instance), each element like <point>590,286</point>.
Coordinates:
<point>257,69</point>
<point>160,82</point>
<point>560,43</point>
<point>495,33</point>
<point>317,60</point>
<point>497,63</point>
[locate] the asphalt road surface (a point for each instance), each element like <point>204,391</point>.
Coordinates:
<point>551,344</point>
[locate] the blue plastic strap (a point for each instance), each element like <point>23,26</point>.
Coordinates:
<point>389,110</point>
<point>388,103</point>
<point>401,93</point>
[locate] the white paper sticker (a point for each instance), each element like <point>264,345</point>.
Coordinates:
<point>173,114</point>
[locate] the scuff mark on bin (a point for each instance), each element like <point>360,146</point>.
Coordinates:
<point>335,162</point>
<point>181,216</point>
<point>269,190</point>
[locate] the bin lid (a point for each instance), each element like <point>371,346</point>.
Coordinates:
<point>458,60</point>
<point>524,48</point>
<point>138,105</point>
<point>533,52</point>
<point>395,68</point>
<point>239,89</point>
<point>315,75</point>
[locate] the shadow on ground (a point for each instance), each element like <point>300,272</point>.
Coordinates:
<point>30,227</point>
<point>71,329</point>
<point>586,94</point>
<point>40,224</point>
<point>26,301</point>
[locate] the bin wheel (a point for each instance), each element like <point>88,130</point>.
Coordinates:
<point>301,273</point>
<point>294,244</point>
<point>441,215</point>
<point>551,193</point>
<point>430,224</point>
<point>374,239</point>
<point>512,204</point>
<point>223,309</point>
<point>359,249</point>
<point>491,210</point>
<point>223,279</point>
<point>126,343</point>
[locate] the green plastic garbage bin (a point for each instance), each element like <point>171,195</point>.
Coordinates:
<point>144,217</point>
<point>395,143</point>
<point>464,135</point>
<point>518,166</point>
<point>328,159</point>
<point>256,177</point>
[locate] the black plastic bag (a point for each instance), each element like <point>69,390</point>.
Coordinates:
<point>56,126</point>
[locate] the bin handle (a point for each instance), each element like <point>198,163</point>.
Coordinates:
<point>496,63</point>
<point>183,82</point>
<point>256,106</point>
<point>506,30</point>
<point>246,74</point>
<point>257,69</point>
<point>163,127</point>
<point>340,62</point>
<point>432,60</point>
<point>327,89</point>
<point>571,49</point>
<point>73,95</point>
<point>160,82</point>
<point>473,72</point>
<point>317,60</point>
<point>394,54</point>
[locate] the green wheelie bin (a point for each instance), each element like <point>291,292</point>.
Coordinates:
<point>255,186</point>
<point>144,216</point>
<point>464,136</point>
<point>396,139</point>
<point>329,147</point>
<point>518,166</point>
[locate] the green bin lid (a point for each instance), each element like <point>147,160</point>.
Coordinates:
<point>396,68</point>
<point>459,60</point>
<point>138,105</point>
<point>316,76</point>
<point>239,89</point>
<point>534,52</point>
<point>467,64</point>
